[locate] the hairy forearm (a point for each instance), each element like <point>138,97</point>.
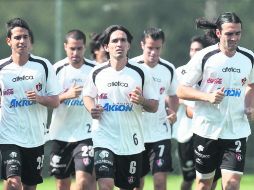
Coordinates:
<point>89,103</point>
<point>149,105</point>
<point>49,101</point>
<point>189,93</point>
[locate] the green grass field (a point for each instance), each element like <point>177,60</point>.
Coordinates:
<point>173,183</point>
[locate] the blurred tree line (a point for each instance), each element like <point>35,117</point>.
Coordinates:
<point>51,19</point>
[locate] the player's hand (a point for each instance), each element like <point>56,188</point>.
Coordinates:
<point>217,96</point>
<point>136,96</point>
<point>74,91</point>
<point>31,95</point>
<point>171,116</point>
<point>96,112</point>
<point>250,114</point>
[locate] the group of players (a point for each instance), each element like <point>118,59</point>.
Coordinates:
<point>113,117</point>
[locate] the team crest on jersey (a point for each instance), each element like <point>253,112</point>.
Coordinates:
<point>38,87</point>
<point>162,89</point>
<point>243,81</point>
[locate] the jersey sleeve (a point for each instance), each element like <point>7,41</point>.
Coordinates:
<point>193,71</point>
<point>52,87</point>
<point>89,88</point>
<point>171,91</point>
<point>150,88</point>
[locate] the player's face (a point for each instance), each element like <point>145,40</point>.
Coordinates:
<point>194,47</point>
<point>151,50</point>
<point>229,36</point>
<point>118,45</point>
<point>20,41</point>
<point>75,50</point>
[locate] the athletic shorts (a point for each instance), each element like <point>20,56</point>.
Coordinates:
<point>157,157</point>
<point>187,162</point>
<point>124,169</point>
<point>24,162</point>
<point>68,157</point>
<point>228,154</point>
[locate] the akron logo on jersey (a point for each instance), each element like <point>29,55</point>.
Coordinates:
<point>233,92</point>
<point>117,107</point>
<point>21,103</point>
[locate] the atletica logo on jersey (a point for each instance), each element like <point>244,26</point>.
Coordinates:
<point>231,69</point>
<point>117,83</point>
<point>21,103</point>
<point>24,77</point>
<point>117,107</point>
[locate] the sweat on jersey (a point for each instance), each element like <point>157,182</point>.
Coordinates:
<point>23,122</point>
<point>120,126</point>
<point>156,125</point>
<point>215,70</point>
<point>71,122</point>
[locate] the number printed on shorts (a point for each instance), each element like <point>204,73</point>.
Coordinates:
<point>162,147</point>
<point>40,162</point>
<point>87,151</point>
<point>133,165</point>
<point>238,144</point>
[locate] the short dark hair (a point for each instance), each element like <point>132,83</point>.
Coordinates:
<point>227,17</point>
<point>75,34</point>
<point>95,43</point>
<point>109,30</point>
<point>154,33</point>
<point>18,22</point>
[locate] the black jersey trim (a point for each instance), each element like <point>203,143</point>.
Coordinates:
<point>247,55</point>
<point>66,64</point>
<point>169,68</point>
<point>95,73</point>
<point>44,64</point>
<point>207,56</point>
<point>140,72</point>
<point>6,63</point>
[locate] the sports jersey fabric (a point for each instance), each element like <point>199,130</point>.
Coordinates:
<point>120,127</point>
<point>71,122</point>
<point>23,122</point>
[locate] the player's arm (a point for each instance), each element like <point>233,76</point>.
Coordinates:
<point>95,110</point>
<point>172,103</point>
<point>48,101</point>
<point>190,93</point>
<point>149,105</point>
<point>249,102</point>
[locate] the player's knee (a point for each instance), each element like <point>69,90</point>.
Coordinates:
<point>14,183</point>
<point>232,184</point>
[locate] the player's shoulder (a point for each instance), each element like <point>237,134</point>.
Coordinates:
<point>245,51</point>
<point>166,63</point>
<point>136,60</point>
<point>39,59</point>
<point>89,62</point>
<point>5,60</point>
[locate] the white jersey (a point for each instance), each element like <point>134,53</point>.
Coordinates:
<point>227,119</point>
<point>156,125</point>
<point>71,122</point>
<point>182,128</point>
<point>23,122</point>
<point>120,126</point>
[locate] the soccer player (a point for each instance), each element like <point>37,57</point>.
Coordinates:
<point>183,126</point>
<point>223,106</point>
<point>157,128</point>
<point>115,94</point>
<point>70,128</point>
<point>28,86</point>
